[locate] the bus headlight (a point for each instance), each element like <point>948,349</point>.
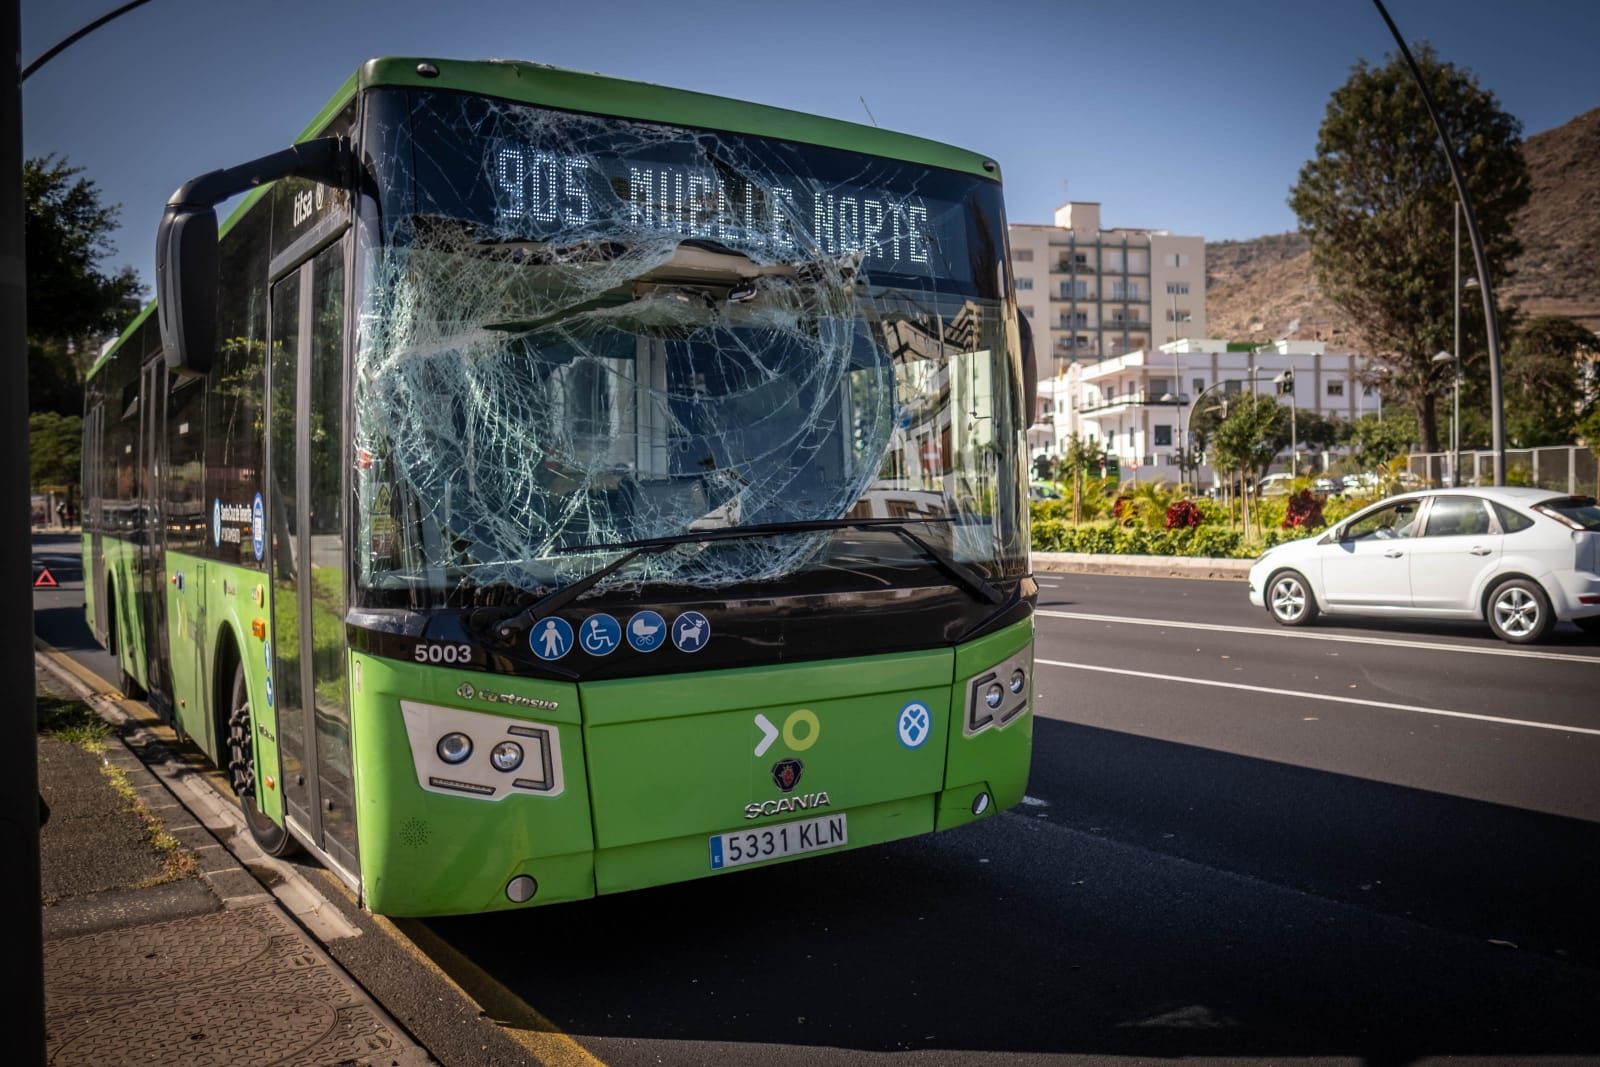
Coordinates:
<point>454,747</point>
<point>506,756</point>
<point>999,696</point>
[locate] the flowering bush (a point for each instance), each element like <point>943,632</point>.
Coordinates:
<point>1183,514</point>
<point>1122,509</point>
<point>1304,511</point>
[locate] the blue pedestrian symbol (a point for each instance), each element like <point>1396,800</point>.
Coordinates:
<point>550,638</point>
<point>691,631</point>
<point>258,527</point>
<point>647,631</point>
<point>600,634</point>
<point>269,690</point>
<point>915,724</point>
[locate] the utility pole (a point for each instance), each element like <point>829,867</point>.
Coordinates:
<point>19,764</point>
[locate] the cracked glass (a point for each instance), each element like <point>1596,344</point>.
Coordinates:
<point>577,333</point>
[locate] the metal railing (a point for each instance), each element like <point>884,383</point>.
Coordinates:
<point>1559,468</point>
<point>1140,397</point>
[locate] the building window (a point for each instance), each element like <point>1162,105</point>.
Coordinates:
<point>1158,387</point>
<point>1080,259</point>
<point>1199,386</point>
<point>1022,255</point>
<point>1181,315</point>
<point>1125,291</point>
<point>1177,259</point>
<point>1230,387</point>
<point>1024,283</point>
<point>1177,288</point>
<point>1071,290</point>
<point>1367,390</point>
<point>1163,435</point>
<point>1336,387</point>
<point>1027,312</point>
<point>1111,440</point>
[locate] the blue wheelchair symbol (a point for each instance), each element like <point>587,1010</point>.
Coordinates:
<point>647,631</point>
<point>550,638</point>
<point>600,634</point>
<point>691,631</point>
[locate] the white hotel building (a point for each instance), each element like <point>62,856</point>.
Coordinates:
<point>1137,404</point>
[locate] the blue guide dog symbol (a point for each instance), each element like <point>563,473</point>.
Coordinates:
<point>550,638</point>
<point>599,634</point>
<point>216,521</point>
<point>915,724</point>
<point>691,631</point>
<point>647,631</point>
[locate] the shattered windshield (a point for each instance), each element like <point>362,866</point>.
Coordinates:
<point>579,332</point>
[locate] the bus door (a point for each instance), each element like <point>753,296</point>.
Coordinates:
<point>305,516</point>
<point>152,593</point>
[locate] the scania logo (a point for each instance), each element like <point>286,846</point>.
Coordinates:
<point>784,805</point>
<point>786,774</point>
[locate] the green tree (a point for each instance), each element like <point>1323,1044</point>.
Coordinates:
<point>1254,431</point>
<point>1082,456</point>
<point>1374,441</point>
<point>1544,398</point>
<point>1377,205</point>
<point>72,303</point>
<point>55,443</point>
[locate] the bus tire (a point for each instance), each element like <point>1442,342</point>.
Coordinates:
<point>272,839</point>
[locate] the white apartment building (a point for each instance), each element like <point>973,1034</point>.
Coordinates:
<point>1092,293</point>
<point>1138,405</point>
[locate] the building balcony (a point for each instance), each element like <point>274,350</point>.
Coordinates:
<point>1125,325</point>
<point>1137,399</point>
<point>1067,266</point>
<point>1088,298</point>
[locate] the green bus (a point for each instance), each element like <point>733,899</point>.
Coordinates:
<point>546,485</point>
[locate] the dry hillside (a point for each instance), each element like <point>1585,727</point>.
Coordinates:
<point>1257,289</point>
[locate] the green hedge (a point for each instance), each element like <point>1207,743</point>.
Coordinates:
<point>1058,535</point>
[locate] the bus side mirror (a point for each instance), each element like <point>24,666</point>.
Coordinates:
<point>1030,371</point>
<point>186,243</point>
<point>186,287</point>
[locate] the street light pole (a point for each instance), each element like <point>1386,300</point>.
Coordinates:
<point>1455,385</point>
<point>1480,256</point>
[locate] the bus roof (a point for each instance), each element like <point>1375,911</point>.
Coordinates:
<point>540,84</point>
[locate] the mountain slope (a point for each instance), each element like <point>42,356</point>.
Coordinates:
<point>1257,289</point>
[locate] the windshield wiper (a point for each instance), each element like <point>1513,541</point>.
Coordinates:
<point>964,576</point>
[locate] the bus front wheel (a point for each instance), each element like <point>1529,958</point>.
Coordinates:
<point>273,839</point>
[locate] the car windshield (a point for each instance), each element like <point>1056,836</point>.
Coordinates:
<point>1578,511</point>
<point>578,333</point>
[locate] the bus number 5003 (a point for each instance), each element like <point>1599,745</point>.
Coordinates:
<point>444,653</point>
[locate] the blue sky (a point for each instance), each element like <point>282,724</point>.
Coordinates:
<point>1190,116</point>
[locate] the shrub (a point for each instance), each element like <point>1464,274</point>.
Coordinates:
<point>1303,512</point>
<point>1182,514</point>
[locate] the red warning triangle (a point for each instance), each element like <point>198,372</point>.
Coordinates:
<point>46,580</point>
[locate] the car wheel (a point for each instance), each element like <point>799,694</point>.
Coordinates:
<point>1519,611</point>
<point>1289,599</point>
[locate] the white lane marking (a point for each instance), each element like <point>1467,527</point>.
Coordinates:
<point>1351,639</point>
<point>769,734</point>
<point>1323,696</point>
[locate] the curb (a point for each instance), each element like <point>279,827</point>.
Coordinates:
<point>1142,566</point>
<point>229,861</point>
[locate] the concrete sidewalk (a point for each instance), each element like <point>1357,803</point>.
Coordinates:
<point>159,946</point>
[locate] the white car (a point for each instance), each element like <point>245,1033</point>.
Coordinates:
<point>1521,559</point>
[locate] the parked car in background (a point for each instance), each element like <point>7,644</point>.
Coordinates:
<point>1330,484</point>
<point>1275,485</point>
<point>1043,491</point>
<point>1520,559</point>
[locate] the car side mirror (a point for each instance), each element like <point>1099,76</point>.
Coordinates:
<point>186,243</point>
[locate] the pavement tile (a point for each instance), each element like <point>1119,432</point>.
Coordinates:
<point>239,986</point>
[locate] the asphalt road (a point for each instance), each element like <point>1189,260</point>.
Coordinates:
<point>1237,844</point>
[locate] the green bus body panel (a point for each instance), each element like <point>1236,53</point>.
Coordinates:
<point>654,766</point>
<point>425,853</point>
<point>122,585</point>
<point>993,760</point>
<point>840,716</point>
<point>596,94</point>
<point>91,595</point>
